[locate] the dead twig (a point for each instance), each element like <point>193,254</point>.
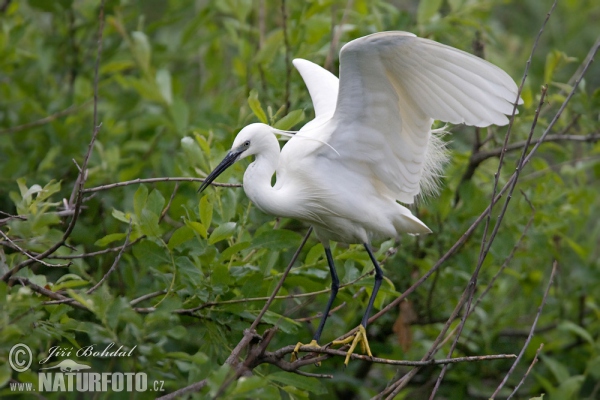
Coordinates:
<point>531,332</point>
<point>154,180</point>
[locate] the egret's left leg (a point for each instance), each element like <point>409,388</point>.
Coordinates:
<point>335,285</point>
<point>361,335</point>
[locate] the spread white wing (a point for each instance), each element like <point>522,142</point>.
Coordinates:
<point>392,86</point>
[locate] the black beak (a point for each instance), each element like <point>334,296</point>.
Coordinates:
<point>228,161</point>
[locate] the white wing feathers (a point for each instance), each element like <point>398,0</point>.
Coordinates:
<point>322,86</point>
<point>392,86</point>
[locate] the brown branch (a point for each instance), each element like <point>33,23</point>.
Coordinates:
<point>531,332</point>
<point>28,255</point>
<point>147,297</point>
<point>63,213</point>
<point>484,155</point>
<point>115,263</point>
<point>276,358</point>
<point>535,360</point>
<point>97,253</point>
<point>45,120</point>
<point>46,292</point>
<point>476,223</point>
<point>195,387</point>
<point>472,164</point>
<point>166,210</point>
<point>153,180</point>
<point>485,247</point>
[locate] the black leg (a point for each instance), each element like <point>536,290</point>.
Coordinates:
<point>335,285</point>
<point>378,279</point>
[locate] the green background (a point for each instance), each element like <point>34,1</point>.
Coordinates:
<point>177,81</point>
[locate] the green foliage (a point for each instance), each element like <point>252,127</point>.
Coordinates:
<point>177,81</point>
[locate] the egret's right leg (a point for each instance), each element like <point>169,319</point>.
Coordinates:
<point>335,286</point>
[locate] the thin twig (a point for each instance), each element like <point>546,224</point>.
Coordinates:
<point>485,247</point>
<point>531,331</point>
<point>26,253</point>
<point>476,223</point>
<point>115,263</point>
<point>47,292</point>
<point>147,297</point>
<point>99,252</point>
<point>153,180</point>
<point>535,360</point>
<point>269,357</point>
<point>194,387</point>
<point>166,210</point>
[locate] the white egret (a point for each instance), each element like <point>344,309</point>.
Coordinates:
<point>371,143</point>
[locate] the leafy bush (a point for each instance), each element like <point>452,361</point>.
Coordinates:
<point>176,278</point>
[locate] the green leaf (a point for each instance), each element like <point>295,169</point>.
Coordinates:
<point>139,200</point>
<point>206,211</point>
<point>276,239</point>
<point>272,44</point>
<point>222,232</point>
<point>121,216</point>
<point>569,388</point>
<point>180,236</point>
<point>112,237</point>
<point>427,9</point>
<point>149,223</point>
<point>577,330</point>
<point>155,202</point>
<point>290,120</point>
<point>163,80</point>
<point>197,227</point>
<point>312,385</point>
<point>180,113</point>
<point>141,49</point>
<point>151,254</point>
<point>5,374</point>
<point>560,372</point>
<point>247,384</point>
<point>256,108</point>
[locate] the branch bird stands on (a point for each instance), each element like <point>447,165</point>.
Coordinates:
<point>371,144</point>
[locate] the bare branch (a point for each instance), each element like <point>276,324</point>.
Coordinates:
<point>195,387</point>
<point>115,263</point>
<point>535,360</point>
<point>154,180</point>
<point>47,292</point>
<point>531,332</point>
<point>147,297</point>
<point>28,255</point>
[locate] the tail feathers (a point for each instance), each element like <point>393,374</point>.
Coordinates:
<point>410,224</point>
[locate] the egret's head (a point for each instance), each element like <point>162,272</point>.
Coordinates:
<point>249,141</point>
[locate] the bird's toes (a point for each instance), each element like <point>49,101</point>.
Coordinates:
<point>313,344</point>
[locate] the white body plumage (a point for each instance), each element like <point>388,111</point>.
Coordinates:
<point>370,145</point>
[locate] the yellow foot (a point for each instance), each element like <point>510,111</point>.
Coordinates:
<point>313,344</point>
<point>360,336</point>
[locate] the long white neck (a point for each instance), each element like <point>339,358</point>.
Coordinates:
<point>257,180</point>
